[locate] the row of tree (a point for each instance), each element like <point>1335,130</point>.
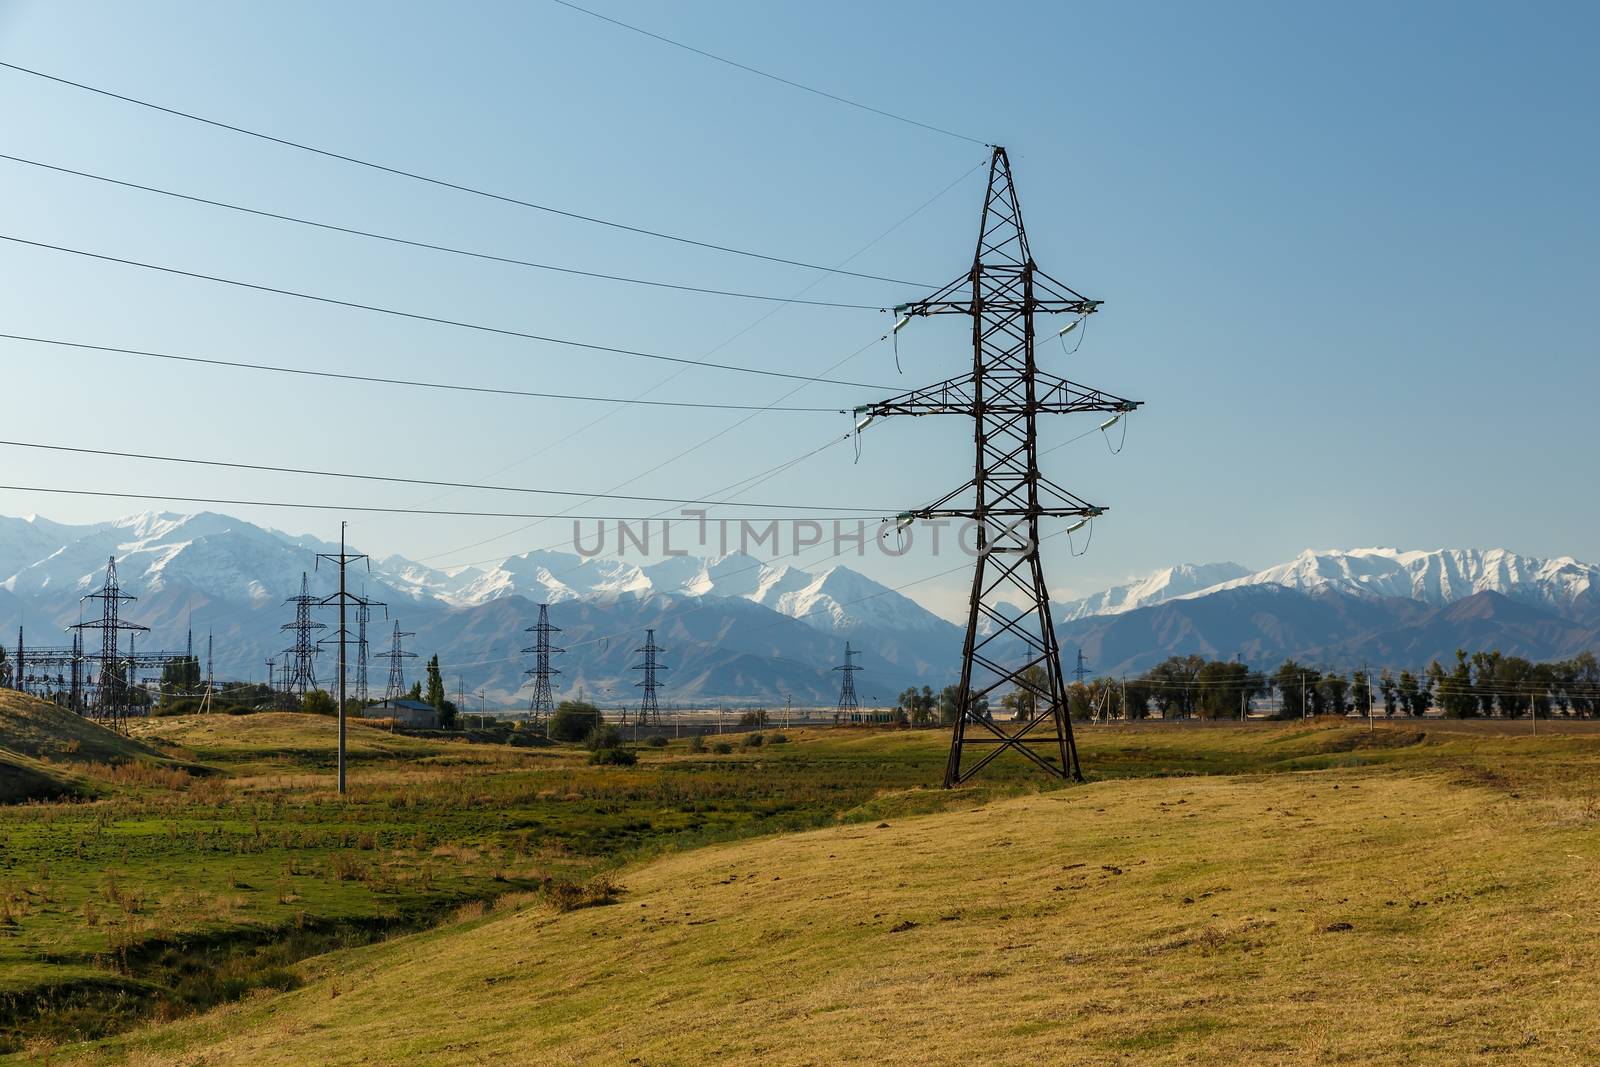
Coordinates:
<point>1181,687</point>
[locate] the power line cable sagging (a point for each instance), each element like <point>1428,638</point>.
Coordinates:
<point>442,183</point>
<point>435,319</point>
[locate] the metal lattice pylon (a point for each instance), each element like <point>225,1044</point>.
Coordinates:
<point>397,656</point>
<point>542,703</point>
<point>649,706</point>
<point>301,657</point>
<point>363,616</point>
<point>849,706</point>
<point>1007,495</point>
<point>114,692</point>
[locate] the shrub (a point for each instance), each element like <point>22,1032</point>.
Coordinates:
<point>573,721</point>
<point>604,735</point>
<point>779,739</point>
<point>722,748</point>
<point>656,741</point>
<point>318,702</point>
<point>697,744</point>
<point>613,757</point>
<point>754,740</point>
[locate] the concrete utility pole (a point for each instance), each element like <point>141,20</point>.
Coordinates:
<point>343,599</point>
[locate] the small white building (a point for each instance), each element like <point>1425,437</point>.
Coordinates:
<point>412,713</point>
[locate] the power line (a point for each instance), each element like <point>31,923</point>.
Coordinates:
<point>442,183</point>
<point>435,247</point>
<point>411,481</point>
<point>409,383</point>
<point>355,507</point>
<point>773,77</point>
<point>416,316</point>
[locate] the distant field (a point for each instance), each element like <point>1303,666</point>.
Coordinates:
<point>1193,918</point>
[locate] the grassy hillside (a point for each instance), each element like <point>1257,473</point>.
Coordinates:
<point>23,778</point>
<point>37,728</point>
<point>1422,900</point>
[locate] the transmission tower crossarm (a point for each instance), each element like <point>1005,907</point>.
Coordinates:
<point>1052,395</point>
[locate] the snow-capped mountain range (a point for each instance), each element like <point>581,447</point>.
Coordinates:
<point>1439,577</point>
<point>743,629</point>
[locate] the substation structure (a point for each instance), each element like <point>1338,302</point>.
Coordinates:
<point>95,677</point>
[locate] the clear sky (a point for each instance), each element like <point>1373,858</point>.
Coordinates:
<point>1347,253</point>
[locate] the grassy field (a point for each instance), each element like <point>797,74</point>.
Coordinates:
<point>1263,893</point>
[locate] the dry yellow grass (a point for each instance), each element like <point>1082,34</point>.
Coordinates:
<point>1188,920</point>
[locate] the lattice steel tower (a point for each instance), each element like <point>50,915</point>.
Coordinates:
<point>543,703</point>
<point>397,657</point>
<point>1006,497</point>
<point>849,706</point>
<point>300,668</point>
<point>649,707</point>
<point>112,694</point>
<point>363,616</point>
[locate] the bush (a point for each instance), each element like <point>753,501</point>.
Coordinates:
<point>697,744</point>
<point>613,757</point>
<point>573,721</point>
<point>318,702</point>
<point>756,718</point>
<point>753,740</point>
<point>779,739</point>
<point>656,741</point>
<point>722,748</point>
<point>604,735</point>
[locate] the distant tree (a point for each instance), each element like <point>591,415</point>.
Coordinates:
<point>1453,689</point>
<point>947,705</point>
<point>180,677</point>
<point>1080,701</point>
<point>1174,682</point>
<point>1333,689</point>
<point>1361,693</point>
<point>1136,699</point>
<point>1224,689</point>
<point>1295,684</point>
<point>443,705</point>
<point>318,702</point>
<point>754,719</point>
<point>1024,700</point>
<point>927,703</point>
<point>573,720</point>
<point>1390,691</point>
<point>415,692</point>
<point>1411,694</point>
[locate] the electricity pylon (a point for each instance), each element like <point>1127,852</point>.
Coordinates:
<point>542,704</point>
<point>397,657</point>
<point>649,707</point>
<point>301,657</point>
<point>1006,497</point>
<point>849,706</point>
<point>114,693</point>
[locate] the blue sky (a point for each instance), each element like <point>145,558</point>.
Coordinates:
<point>1346,252</point>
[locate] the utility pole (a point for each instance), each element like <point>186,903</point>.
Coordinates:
<point>542,704</point>
<point>1303,714</point>
<point>1081,671</point>
<point>342,599</point>
<point>1004,394</point>
<point>849,705</point>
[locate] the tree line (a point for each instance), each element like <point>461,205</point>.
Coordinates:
<point>1194,687</point>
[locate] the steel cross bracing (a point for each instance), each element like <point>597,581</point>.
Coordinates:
<point>849,706</point>
<point>542,704</point>
<point>112,693</point>
<point>649,707</point>
<point>301,657</point>
<point>1004,394</point>
<point>397,657</point>
<point>363,650</point>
